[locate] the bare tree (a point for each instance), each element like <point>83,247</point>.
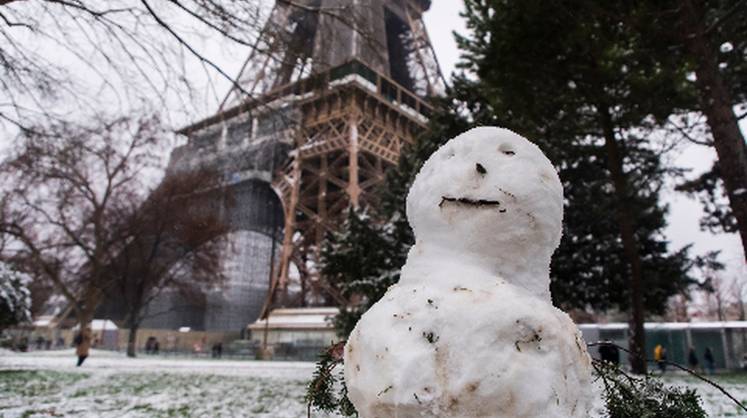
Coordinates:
<point>172,245</point>
<point>75,55</point>
<point>738,293</point>
<point>715,290</point>
<point>131,48</point>
<point>677,311</point>
<point>719,298</point>
<point>68,196</point>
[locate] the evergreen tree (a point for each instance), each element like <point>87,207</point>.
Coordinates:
<point>359,262</point>
<point>708,38</point>
<point>702,43</point>
<point>711,36</point>
<point>15,297</point>
<point>582,84</point>
<point>709,189</point>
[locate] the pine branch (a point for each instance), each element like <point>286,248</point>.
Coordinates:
<point>678,366</point>
<point>321,390</point>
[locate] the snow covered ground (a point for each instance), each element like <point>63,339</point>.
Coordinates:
<point>716,404</point>
<point>47,384</point>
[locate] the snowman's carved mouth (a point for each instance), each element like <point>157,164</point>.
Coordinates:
<point>463,201</point>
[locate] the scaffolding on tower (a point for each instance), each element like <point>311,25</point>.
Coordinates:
<point>335,89</point>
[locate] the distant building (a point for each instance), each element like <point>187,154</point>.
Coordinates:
<point>298,333</point>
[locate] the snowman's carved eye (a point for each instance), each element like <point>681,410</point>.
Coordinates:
<point>507,149</point>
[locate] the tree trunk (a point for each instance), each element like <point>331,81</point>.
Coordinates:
<point>87,308</point>
<point>84,317</point>
<point>630,245</point>
<point>132,339</point>
<point>133,322</point>
<point>716,104</point>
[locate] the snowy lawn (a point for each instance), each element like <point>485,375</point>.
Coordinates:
<point>47,384</point>
<point>717,404</point>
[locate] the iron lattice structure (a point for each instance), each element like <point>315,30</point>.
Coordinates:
<point>322,108</point>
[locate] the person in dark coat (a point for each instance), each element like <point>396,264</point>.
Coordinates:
<point>604,351</point>
<point>692,359</point>
<point>710,362</point>
<point>609,353</point>
<point>150,344</point>
<point>217,350</point>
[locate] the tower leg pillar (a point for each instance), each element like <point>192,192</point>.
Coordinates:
<point>353,189</point>
<point>280,280</point>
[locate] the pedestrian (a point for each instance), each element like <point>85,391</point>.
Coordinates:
<point>710,362</point>
<point>39,342</point>
<point>609,353</point>
<point>660,356</point>
<point>217,349</point>
<point>604,352</point>
<point>83,345</point>
<point>692,359</point>
<point>23,344</point>
<point>149,345</point>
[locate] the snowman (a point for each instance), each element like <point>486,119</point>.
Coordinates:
<point>470,330</point>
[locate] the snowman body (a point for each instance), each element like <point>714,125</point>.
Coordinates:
<point>470,330</point>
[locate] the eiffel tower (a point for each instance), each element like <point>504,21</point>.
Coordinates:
<point>331,92</point>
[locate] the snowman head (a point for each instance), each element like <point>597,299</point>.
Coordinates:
<point>489,193</point>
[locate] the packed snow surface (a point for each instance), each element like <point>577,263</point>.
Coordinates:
<point>470,330</point>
